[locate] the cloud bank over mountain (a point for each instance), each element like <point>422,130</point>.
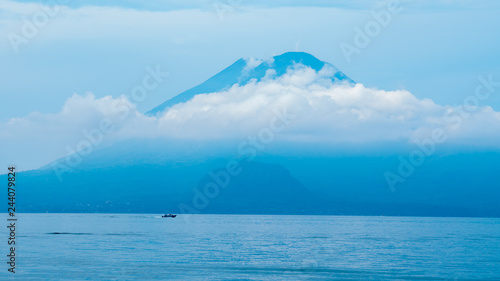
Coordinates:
<point>190,35</point>
<point>319,111</point>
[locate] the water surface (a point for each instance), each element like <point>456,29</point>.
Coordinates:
<point>248,247</point>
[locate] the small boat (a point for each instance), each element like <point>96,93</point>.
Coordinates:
<point>168,216</point>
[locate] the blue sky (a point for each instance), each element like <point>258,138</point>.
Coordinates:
<point>434,49</point>
<point>428,55</point>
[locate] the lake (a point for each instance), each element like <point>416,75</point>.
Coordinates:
<point>252,247</point>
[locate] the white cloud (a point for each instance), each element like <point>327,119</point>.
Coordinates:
<point>252,63</point>
<point>325,112</point>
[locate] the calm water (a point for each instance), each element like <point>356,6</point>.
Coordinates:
<point>245,247</point>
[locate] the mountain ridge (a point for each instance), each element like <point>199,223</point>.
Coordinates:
<point>238,73</point>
